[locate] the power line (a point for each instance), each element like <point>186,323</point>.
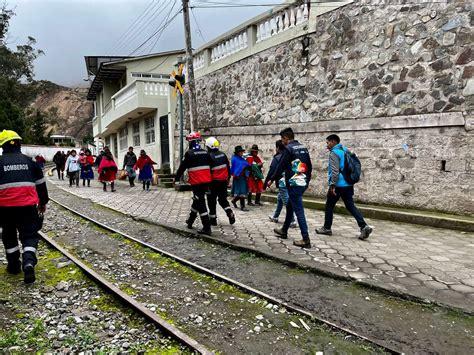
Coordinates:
<point>197,25</point>
<point>157,31</point>
<point>159,9</point>
<point>159,35</point>
<point>125,34</point>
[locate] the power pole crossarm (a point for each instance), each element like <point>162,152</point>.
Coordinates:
<point>189,64</point>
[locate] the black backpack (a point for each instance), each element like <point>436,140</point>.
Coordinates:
<point>352,167</point>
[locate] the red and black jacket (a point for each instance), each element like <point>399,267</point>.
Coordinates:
<point>220,167</point>
<point>21,180</point>
<point>198,163</point>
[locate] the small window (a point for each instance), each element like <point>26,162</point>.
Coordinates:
<point>149,130</point>
<point>136,134</point>
<point>146,75</point>
<point>136,75</point>
<point>123,135</point>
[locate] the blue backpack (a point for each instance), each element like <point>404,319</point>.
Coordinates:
<point>352,167</point>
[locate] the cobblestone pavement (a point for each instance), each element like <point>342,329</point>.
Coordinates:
<point>428,263</point>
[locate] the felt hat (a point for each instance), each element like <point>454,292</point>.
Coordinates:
<point>239,149</point>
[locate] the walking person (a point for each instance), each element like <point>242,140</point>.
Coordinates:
<point>295,164</point>
<point>220,172</point>
<point>339,187</point>
<point>145,165</point>
<point>23,199</point>
<point>87,161</point>
<point>73,167</point>
<point>107,170</point>
<point>59,160</point>
<point>282,197</point>
<point>40,160</point>
<point>129,161</point>
<point>255,178</point>
<point>198,163</point>
<point>239,170</point>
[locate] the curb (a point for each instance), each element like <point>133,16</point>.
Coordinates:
<point>320,270</point>
<point>465,224</point>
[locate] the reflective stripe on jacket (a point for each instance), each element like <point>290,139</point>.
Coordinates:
<point>220,167</point>
<point>198,163</point>
<point>21,181</point>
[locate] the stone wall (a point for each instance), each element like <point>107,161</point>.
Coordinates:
<point>370,63</point>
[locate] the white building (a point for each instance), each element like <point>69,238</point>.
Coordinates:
<point>133,104</point>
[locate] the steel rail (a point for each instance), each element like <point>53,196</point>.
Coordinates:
<point>231,282</point>
<point>138,307</point>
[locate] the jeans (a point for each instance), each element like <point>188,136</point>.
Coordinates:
<point>282,200</point>
<point>346,194</point>
<point>295,206</point>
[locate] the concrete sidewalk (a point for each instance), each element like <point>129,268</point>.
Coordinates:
<point>424,263</point>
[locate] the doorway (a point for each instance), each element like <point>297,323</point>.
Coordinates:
<point>165,140</point>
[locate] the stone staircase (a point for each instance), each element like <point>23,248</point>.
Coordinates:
<point>165,177</point>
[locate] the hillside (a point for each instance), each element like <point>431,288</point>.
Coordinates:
<point>69,113</point>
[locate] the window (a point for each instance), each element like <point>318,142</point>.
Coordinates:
<point>107,141</point>
<point>136,134</point>
<point>123,135</point>
<point>150,130</point>
<point>115,141</point>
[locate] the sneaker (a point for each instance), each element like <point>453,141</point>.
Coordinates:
<point>280,233</point>
<point>244,209</point>
<point>302,243</point>
<point>365,232</point>
<point>14,268</point>
<point>29,274</point>
<point>231,218</point>
<point>213,221</point>
<point>234,203</point>
<point>323,230</point>
<point>293,225</point>
<point>205,231</point>
<point>273,219</point>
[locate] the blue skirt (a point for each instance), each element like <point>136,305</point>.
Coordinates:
<point>239,186</point>
<point>146,174</point>
<point>87,174</point>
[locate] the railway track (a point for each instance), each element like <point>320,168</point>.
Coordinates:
<point>173,331</point>
<point>125,299</point>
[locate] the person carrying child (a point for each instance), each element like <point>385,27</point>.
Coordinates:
<point>255,178</point>
<point>87,160</point>
<point>239,170</point>
<point>145,165</point>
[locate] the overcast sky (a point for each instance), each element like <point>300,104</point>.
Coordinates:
<point>68,30</point>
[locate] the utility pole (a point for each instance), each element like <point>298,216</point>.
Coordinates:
<point>189,64</point>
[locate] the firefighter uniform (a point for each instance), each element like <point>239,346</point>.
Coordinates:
<point>220,172</point>
<point>197,162</point>
<point>22,190</point>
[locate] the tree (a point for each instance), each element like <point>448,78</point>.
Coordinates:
<point>17,85</point>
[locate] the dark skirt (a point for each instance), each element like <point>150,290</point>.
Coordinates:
<point>146,174</point>
<point>87,174</point>
<point>239,186</point>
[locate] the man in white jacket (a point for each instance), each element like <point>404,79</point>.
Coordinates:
<point>73,167</point>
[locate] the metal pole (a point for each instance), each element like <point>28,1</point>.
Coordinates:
<point>189,64</point>
<point>181,127</point>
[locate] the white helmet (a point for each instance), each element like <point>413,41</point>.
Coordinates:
<point>212,143</point>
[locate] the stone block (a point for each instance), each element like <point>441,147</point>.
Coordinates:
<point>468,72</point>
<point>466,56</point>
<point>417,71</point>
<point>406,163</point>
<point>469,88</point>
<point>441,64</point>
<point>399,87</point>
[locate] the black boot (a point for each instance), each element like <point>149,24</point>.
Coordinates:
<point>83,182</point>
<point>242,205</point>
<point>29,274</point>
<point>112,186</point>
<point>206,222</point>
<point>148,185</point>
<point>88,183</point>
<point>234,201</point>
<point>105,186</point>
<point>213,221</point>
<point>230,215</point>
<point>143,185</point>
<point>249,200</point>
<point>257,200</point>
<point>190,221</point>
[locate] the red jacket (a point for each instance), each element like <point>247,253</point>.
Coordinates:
<point>220,167</point>
<point>21,180</point>
<point>86,160</point>
<point>198,163</point>
<point>142,161</point>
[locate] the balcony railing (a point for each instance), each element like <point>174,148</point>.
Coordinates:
<point>294,19</point>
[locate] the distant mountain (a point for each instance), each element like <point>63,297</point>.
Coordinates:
<point>68,111</point>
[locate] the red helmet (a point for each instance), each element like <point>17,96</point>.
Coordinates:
<point>193,136</point>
